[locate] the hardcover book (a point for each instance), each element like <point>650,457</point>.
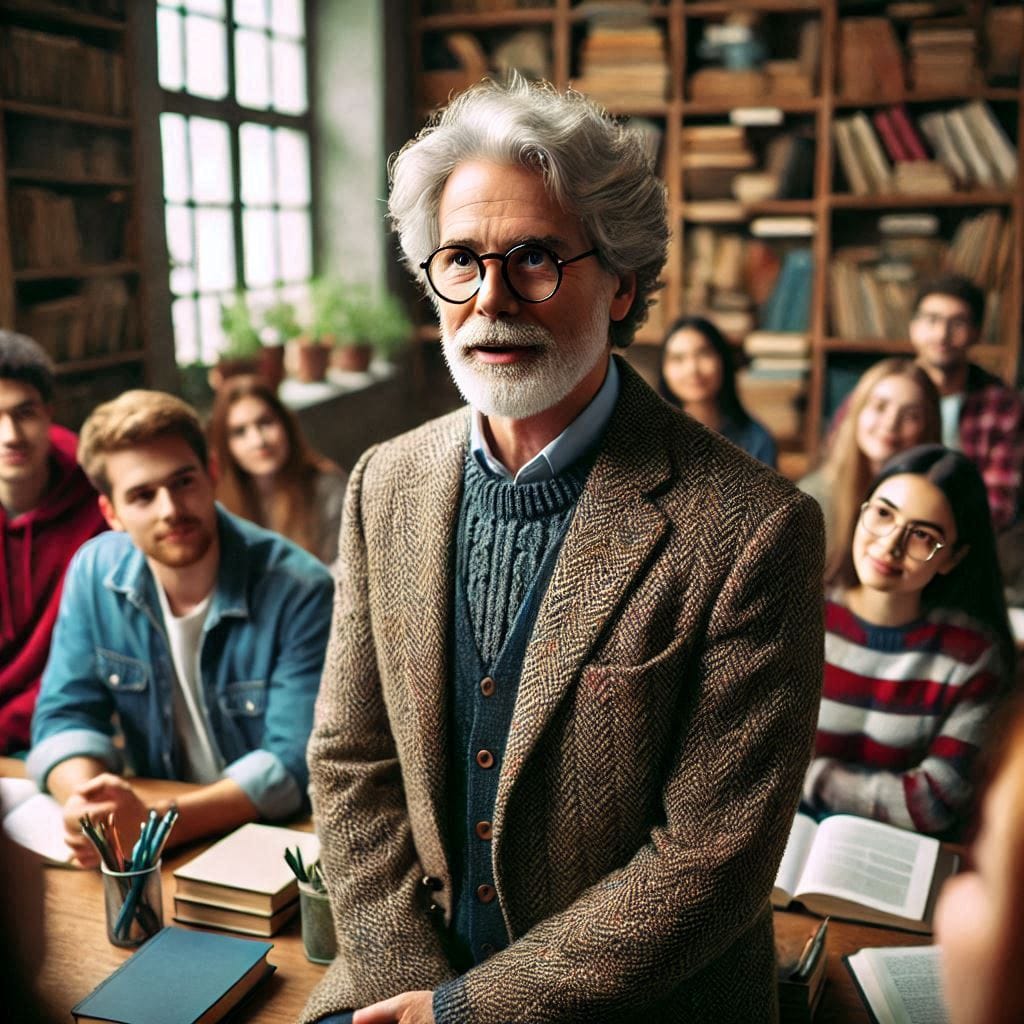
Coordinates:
<point>178,977</point>
<point>900,985</point>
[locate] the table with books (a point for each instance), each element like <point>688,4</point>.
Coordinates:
<point>79,955</point>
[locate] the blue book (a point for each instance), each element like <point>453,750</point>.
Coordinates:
<point>178,977</point>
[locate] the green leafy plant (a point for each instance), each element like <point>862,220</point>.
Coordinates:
<point>282,320</point>
<point>380,323</point>
<point>308,873</point>
<point>327,302</point>
<point>237,323</point>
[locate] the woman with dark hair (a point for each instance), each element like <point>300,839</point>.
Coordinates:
<point>918,649</point>
<point>268,472</point>
<point>698,375</point>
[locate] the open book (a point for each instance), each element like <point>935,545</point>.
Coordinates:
<point>900,984</point>
<point>863,870</point>
<point>33,820</point>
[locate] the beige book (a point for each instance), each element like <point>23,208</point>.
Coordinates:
<point>244,921</point>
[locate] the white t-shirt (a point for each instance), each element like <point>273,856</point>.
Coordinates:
<point>950,406</point>
<point>202,761</point>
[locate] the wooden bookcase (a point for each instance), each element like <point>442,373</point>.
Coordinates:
<point>70,269</point>
<point>838,216</point>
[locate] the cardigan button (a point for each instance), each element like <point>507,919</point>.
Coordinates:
<point>114,679</point>
<point>485,893</point>
<point>483,829</point>
<point>487,686</point>
<point>431,884</point>
<point>485,759</point>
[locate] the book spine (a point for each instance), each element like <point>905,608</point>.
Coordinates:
<point>890,139</point>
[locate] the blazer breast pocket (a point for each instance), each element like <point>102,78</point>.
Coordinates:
<point>121,674</point>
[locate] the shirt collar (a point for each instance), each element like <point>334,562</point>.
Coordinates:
<point>571,444</point>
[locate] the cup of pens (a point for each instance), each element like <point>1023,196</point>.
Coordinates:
<point>132,892</point>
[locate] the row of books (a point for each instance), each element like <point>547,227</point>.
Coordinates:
<point>54,231</point>
<point>622,61</point>
<point>773,383</point>
<point>58,70</point>
<point>886,153</point>
<point>70,150</point>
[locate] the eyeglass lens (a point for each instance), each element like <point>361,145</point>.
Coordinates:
<point>916,541</point>
<point>530,271</point>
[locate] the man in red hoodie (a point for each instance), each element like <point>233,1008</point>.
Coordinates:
<point>47,511</point>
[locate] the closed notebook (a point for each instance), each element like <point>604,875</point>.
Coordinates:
<point>178,977</point>
<point>246,870</point>
<point>245,921</point>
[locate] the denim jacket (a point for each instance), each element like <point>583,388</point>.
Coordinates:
<point>261,656</point>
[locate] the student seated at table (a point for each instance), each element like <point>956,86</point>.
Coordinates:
<point>893,407</point>
<point>267,471</point>
<point>203,633</point>
<point>979,920</point>
<point>917,649</point>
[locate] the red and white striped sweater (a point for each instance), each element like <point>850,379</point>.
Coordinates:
<point>903,711</point>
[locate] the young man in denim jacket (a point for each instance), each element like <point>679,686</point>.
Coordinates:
<point>201,632</point>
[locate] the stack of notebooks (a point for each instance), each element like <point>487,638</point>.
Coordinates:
<point>943,58</point>
<point>242,882</point>
<point>623,61</point>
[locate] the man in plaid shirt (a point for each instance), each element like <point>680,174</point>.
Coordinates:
<point>981,416</point>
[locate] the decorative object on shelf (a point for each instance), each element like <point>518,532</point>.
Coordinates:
<point>369,325</point>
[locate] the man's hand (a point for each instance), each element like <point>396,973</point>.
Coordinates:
<point>407,1008</point>
<point>101,796</point>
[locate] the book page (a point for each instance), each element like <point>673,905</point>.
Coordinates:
<point>34,820</point>
<point>872,864</point>
<point>801,836</point>
<point>901,985</point>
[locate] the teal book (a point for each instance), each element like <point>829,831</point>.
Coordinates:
<point>150,986</point>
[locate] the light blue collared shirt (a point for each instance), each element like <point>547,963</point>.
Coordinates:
<point>571,444</point>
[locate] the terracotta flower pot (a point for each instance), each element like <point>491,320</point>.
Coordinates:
<point>272,365</point>
<point>353,358</point>
<point>312,360</point>
<point>225,368</point>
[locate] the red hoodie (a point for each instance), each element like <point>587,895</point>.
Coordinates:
<point>35,549</point>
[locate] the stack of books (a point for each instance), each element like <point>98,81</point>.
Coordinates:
<point>623,61</point>
<point>943,58</point>
<point>711,156</point>
<point>242,882</point>
<point>800,959</point>
<point>773,384</point>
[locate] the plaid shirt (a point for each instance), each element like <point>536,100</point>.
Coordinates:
<point>992,437</point>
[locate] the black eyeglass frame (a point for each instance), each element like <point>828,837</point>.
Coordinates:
<point>939,545</point>
<point>558,261</point>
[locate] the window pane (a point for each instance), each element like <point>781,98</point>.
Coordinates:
<point>289,76</point>
<point>215,249</point>
<point>211,160</point>
<point>175,154</point>
<point>206,57</point>
<point>252,68</point>
<point>257,170</point>
<point>168,48</point>
<point>251,12</point>
<point>179,246</point>
<point>292,167</point>
<point>258,240</point>
<point>214,7</point>
<point>186,344</point>
<point>296,245</point>
<point>210,330</point>
<point>287,17</point>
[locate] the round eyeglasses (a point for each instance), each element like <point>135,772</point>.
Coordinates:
<point>915,540</point>
<point>532,272</point>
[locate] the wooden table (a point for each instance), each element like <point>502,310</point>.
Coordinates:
<point>79,956</point>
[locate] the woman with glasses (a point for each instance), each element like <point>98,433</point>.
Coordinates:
<point>893,407</point>
<point>917,649</point>
<point>698,375</point>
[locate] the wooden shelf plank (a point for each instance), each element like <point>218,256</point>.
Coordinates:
<point>77,271</point>
<point>62,114</point>
<point>651,10</point>
<point>75,180</point>
<point>99,362</point>
<point>881,345</point>
<point>979,93</point>
<point>842,201</point>
<point>471,20</point>
<point>717,7</point>
<point>60,15</point>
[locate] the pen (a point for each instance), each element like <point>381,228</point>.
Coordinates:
<point>810,953</point>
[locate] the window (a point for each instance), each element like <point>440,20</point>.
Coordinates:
<point>235,132</point>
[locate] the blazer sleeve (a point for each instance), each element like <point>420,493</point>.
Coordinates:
<point>386,943</point>
<point>704,876</point>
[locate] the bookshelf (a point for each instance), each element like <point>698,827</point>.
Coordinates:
<point>70,265</point>
<point>804,78</point>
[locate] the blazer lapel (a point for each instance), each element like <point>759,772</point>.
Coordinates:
<point>610,541</point>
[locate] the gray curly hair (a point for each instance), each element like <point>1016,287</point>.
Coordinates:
<point>593,166</point>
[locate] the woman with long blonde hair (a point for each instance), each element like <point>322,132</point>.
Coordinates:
<point>268,472</point>
<point>893,407</point>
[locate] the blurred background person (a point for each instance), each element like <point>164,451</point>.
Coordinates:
<point>918,651</point>
<point>268,472</point>
<point>894,406</point>
<point>698,375</point>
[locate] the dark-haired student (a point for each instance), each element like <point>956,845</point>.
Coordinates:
<point>698,375</point>
<point>981,416</point>
<point>204,633</point>
<point>47,511</point>
<point>917,649</point>
<point>979,920</point>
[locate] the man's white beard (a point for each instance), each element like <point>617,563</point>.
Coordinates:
<point>539,382</point>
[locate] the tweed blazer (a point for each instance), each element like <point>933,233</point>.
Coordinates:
<point>664,719</point>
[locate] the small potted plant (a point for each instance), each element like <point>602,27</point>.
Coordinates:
<point>313,347</point>
<point>244,350</point>
<point>280,325</point>
<point>370,325</point>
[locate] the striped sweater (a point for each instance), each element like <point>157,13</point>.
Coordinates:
<point>902,715</point>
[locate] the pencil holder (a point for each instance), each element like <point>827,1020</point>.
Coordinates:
<point>134,904</point>
<point>317,925</point>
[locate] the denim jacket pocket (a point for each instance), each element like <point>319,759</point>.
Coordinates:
<point>121,674</point>
<point>246,699</point>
